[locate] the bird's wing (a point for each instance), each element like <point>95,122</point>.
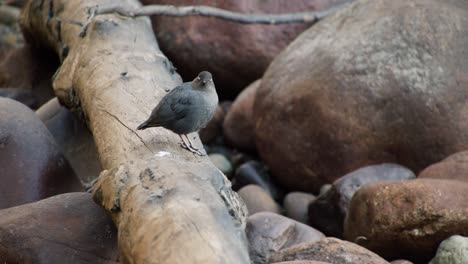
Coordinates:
<point>174,106</point>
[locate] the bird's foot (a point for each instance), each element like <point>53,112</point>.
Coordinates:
<point>191,149</point>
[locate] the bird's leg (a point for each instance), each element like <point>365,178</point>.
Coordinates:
<point>189,146</point>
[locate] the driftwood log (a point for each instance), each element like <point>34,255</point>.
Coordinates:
<point>169,205</point>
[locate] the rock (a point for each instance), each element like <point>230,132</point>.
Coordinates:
<point>238,127</point>
<point>253,172</point>
<point>329,249</point>
<point>21,95</point>
<point>453,250</point>
<point>258,200</point>
<point>222,163</point>
<point>328,211</point>
<point>407,219</point>
<point>454,167</point>
<point>268,233</point>
<point>401,261</point>
<point>68,228</point>
<point>324,188</point>
<point>235,54</point>
<point>74,139</point>
<point>375,82</point>
<point>214,127</point>
<point>30,69</point>
<point>296,205</point>
<point>301,262</point>
<point>32,165</point>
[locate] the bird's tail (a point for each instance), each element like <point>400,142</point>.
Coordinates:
<point>143,126</point>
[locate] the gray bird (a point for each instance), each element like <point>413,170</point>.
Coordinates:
<point>185,109</point>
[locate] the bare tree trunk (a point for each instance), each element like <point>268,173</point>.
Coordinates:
<point>169,205</point>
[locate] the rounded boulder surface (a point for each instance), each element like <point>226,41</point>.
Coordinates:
<point>238,127</point>
<point>74,139</point>
<point>407,219</point>
<point>68,228</point>
<point>454,167</point>
<point>329,249</point>
<point>378,81</point>
<point>33,167</point>
<point>234,53</point>
<point>453,250</point>
<point>268,233</point>
<point>401,261</point>
<point>222,163</point>
<point>328,211</point>
<point>258,200</point>
<point>296,205</point>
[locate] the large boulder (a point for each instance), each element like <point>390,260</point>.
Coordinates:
<point>236,54</point>
<point>32,165</point>
<point>379,81</point>
<point>238,126</point>
<point>68,228</point>
<point>407,219</point>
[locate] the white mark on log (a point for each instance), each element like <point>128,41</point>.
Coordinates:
<point>162,154</point>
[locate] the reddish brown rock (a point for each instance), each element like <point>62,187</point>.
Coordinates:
<point>407,219</point>
<point>68,228</point>
<point>454,167</point>
<point>329,249</point>
<point>258,200</point>
<point>31,69</point>
<point>359,89</point>
<point>32,166</point>
<point>238,127</point>
<point>214,127</point>
<point>269,233</point>
<point>236,54</point>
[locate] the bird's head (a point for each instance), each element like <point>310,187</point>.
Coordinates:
<point>203,79</point>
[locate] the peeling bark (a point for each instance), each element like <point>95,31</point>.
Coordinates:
<point>169,205</point>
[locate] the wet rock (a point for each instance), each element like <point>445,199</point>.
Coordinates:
<point>23,96</point>
<point>253,172</point>
<point>325,188</point>
<point>235,54</point>
<point>222,163</point>
<point>453,250</point>
<point>328,211</point>
<point>329,249</point>
<point>32,165</point>
<point>296,205</point>
<point>454,167</point>
<point>68,228</point>
<point>258,200</point>
<point>30,69</point>
<point>74,139</point>
<point>407,219</point>
<point>238,126</point>
<point>214,127</point>
<point>373,83</point>
<point>268,233</point>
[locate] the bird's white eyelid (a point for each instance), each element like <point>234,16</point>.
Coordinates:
<point>198,78</point>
